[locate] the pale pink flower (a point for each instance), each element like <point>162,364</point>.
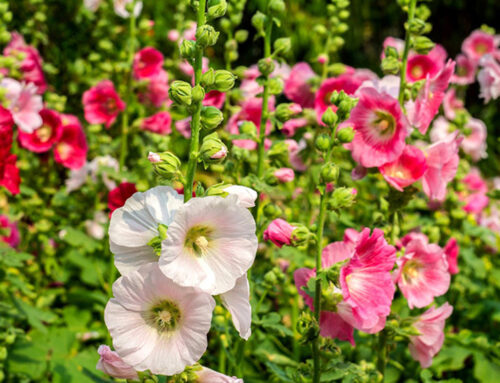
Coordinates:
<point>294,149</point>
<point>407,169</point>
<point>159,123</point>
<point>441,129</point>
<point>206,375</point>
<point>489,78</point>
<point>451,251</point>
<point>298,88</point>
<point>102,104</point>
<point>284,174</point>
<point>452,104</point>
<point>430,325</point>
<point>478,44</point>
<point>95,226</point>
<point>279,232</point>
<point>114,366</point>
<point>465,71</point>
<point>92,5</point>
<point>222,153</point>
<point>154,158</point>
<point>246,196</point>
<point>121,11</point>
<point>148,63</point>
<point>387,84</point>
<point>237,302</point>
<point>24,104</point>
<point>173,35</point>
<point>156,324</point>
<point>474,143</point>
<point>184,127</point>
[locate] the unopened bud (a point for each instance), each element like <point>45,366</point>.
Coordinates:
<point>277,7</point>
<point>212,149</point>
<point>346,135</point>
<point>216,8</point>
<point>329,117</point>
<point>248,128</point>
<point>211,117</point>
<point>285,112</point>
<point>224,80</point>
<point>266,66</point>
<point>283,45</point>
<point>259,22</point>
<point>165,164</point>
<point>342,197</point>
<point>188,49</point>
<point>390,65</point>
<point>300,236</point>
<point>206,36</point>
<point>423,45</point>
<point>180,92</point>
<point>416,26</point>
<point>323,142</point>
<point>329,173</point>
<point>197,93</point>
<point>208,78</point>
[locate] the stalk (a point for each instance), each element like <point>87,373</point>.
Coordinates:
<point>404,65</point>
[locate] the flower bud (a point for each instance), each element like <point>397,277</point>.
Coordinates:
<point>416,26</point>
<point>279,232</point>
<point>423,45</point>
<point>216,8</point>
<point>323,142</point>
<point>197,93</point>
<point>211,117</point>
<point>206,36</point>
<point>165,164</point>
<point>283,45</point>
<point>180,92</point>
<point>208,78</point>
<point>272,211</point>
<point>284,174</point>
<point>266,66</point>
<point>277,7</point>
<point>308,327</point>
<point>346,135</point>
<point>279,152</point>
<point>342,197</point>
<point>188,49</point>
<point>329,173</point>
<point>212,149</point>
<point>248,128</point>
<point>390,65</point>
<point>241,36</point>
<point>284,112</point>
<point>259,22</point>
<point>300,236</point>
<point>329,118</point>
<point>331,296</point>
<point>224,80</point>
<point>391,52</point>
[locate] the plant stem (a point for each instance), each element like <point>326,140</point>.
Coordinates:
<point>404,65</point>
<point>382,352</point>
<point>195,122</point>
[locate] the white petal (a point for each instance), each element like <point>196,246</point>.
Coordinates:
<point>162,203</point>
<point>207,375</point>
<point>237,301</point>
<point>246,196</point>
<point>128,259</point>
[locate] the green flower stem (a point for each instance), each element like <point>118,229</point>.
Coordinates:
<point>195,122</point>
<point>404,64</point>
<point>382,352</point>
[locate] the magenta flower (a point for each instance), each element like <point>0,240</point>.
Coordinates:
<point>430,325</point>
<point>451,251</point>
<point>465,71</point>
<point>148,63</point>
<point>452,104</point>
<point>214,98</point>
<point>279,232</point>
<point>489,78</point>
<point>284,174</point>
<point>422,66</point>
<point>478,44</point>
<point>160,123</point>
<point>9,173</point>
<point>407,169</point>
<point>111,364</point>
<point>381,129</point>
<point>291,126</point>
<point>11,236</point>
<point>102,104</point>
<point>156,91</point>
<point>422,273</point>
<point>71,148</point>
<point>298,88</point>
<point>42,139</point>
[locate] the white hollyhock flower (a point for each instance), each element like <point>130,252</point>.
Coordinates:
<point>210,244</point>
<point>156,324</point>
<point>246,196</point>
<point>135,224</point>
<point>206,375</point>
<point>120,8</point>
<point>237,301</point>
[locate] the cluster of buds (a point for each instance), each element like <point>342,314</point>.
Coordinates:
<point>235,36</point>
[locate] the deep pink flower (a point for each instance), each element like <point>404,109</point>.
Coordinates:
<point>291,126</point>
<point>148,63</point>
<point>451,104</point>
<point>111,364</point>
<point>422,66</point>
<point>465,71</point>
<point>102,104</point>
<point>298,88</point>
<point>474,181</point>
<point>422,273</point>
<point>156,91</point>
<point>119,195</point>
<point>6,133</point>
<point>430,325</point>
<point>478,44</point>
<point>489,78</point>
<point>160,123</point>
<point>279,232</point>
<point>42,139</point>
<point>9,173</point>
<point>451,251</point>
<point>346,82</point>
<point>380,129</point>
<point>476,203</point>
<point>71,148</point>
<point>214,98</point>
<point>407,169</point>
<point>11,236</point>
<point>284,174</point>
<point>410,237</point>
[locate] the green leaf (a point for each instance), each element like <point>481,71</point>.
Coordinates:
<point>79,239</point>
<point>34,315</point>
<point>485,370</point>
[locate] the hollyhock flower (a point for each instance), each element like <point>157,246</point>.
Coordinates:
<point>478,44</point>
<point>118,196</point>
<point>380,129</point>
<point>188,69</point>
<point>387,84</point>
<point>214,98</point>
<point>489,78</point>
<point>98,166</point>
<point>441,129</point>
<point>173,35</point>
<point>184,127</point>
<point>156,91</point>
<point>23,103</point>
<point>442,163</point>
<point>407,169</point>
<point>410,237</point>
<point>211,242</point>
<point>298,88</point>
<point>95,227</point>
<point>206,375</point>
<point>451,252</point>
<point>279,232</point>
<point>31,66</point>
<point>475,182</point>
<point>71,148</point>
<point>430,325</point>
<point>290,127</point>
<point>476,203</point>
<point>120,8</point>
<point>451,104</point>
<point>159,123</point>
<point>102,104</point>
<point>422,273</point>
<point>396,43</point>
<point>284,174</point>
<point>422,111</point>
<point>92,5</point>
<point>6,133</point>
<point>11,233</point>
<point>294,149</point>
<point>246,196</point>
<point>465,71</point>
<point>148,62</point>
<point>237,302</point>
<point>42,139</point>
<point>111,364</point>
<point>9,173</point>
<point>474,143</point>
<point>420,67</point>
<point>156,324</point>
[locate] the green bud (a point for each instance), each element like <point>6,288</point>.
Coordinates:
<point>416,26</point>
<point>272,211</point>
<point>279,152</point>
<point>180,92</point>
<point>423,45</point>
<point>188,49</point>
<point>212,149</point>
<point>307,327</point>
<point>248,128</point>
<point>266,66</point>
<point>344,14</point>
<point>391,52</point>
<point>218,190</point>
<point>346,135</point>
<point>165,164</point>
<point>284,112</point>
<point>300,235</point>
<point>390,65</point>
<point>270,278</point>
<point>206,36</point>
<point>224,80</point>
<point>216,8</point>
<point>208,78</point>
<point>342,197</point>
<point>225,25</point>
<point>323,142</point>
<point>283,45</point>
<point>276,7</point>
<point>3,353</point>
<point>211,117</point>
<point>329,173</point>
<point>259,22</point>
<point>197,93</point>
<point>275,85</point>
<point>330,298</point>
<point>241,36</point>
<point>329,117</point>
<point>270,178</point>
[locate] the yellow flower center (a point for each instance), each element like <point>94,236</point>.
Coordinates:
<point>198,240</point>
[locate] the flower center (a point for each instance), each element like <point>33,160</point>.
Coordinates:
<point>198,240</point>
<point>411,271</point>
<point>384,123</point>
<point>44,133</point>
<point>64,150</point>
<point>164,316</point>
<point>417,71</point>
<point>111,106</point>
<point>481,48</point>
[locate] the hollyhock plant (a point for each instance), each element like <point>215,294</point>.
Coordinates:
<point>148,63</point>
<point>430,325</point>
<point>159,123</point>
<point>297,86</point>
<point>102,104</point>
<point>24,104</point>
<point>71,148</point>
<point>10,232</point>
<point>407,169</point>
<point>478,44</point>
<point>380,129</point>
<point>279,232</point>
<point>465,71</point>
<point>119,195</point>
<point>43,138</point>
<point>489,78</point>
<point>451,251</point>
<point>422,273</point>
<point>111,364</point>
<point>156,324</point>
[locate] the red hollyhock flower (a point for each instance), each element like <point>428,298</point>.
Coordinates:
<point>160,123</point>
<point>6,123</point>
<point>42,139</point>
<point>71,149</point>
<point>9,174</point>
<point>148,62</point>
<point>119,195</point>
<point>102,104</point>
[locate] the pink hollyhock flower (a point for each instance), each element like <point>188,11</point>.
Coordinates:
<point>111,364</point>
<point>451,252</point>
<point>396,43</point>
<point>214,98</point>
<point>442,163</point>
<point>159,123</point>
<point>102,104</point>
<point>148,62</point>
<point>156,91</point>
<point>380,129</point>
<point>279,232</point>
<point>422,273</point>
<point>71,148</point>
<point>387,84</point>
<point>31,65</point>
<point>184,127</point>
<point>478,44</point>
<point>346,82</point>
<point>451,104</point>
<point>42,139</point>
<point>407,169</point>
<point>156,324</point>
<point>11,232</point>
<point>489,78</point>
<point>442,129</point>
<point>475,182</point>
<point>284,174</point>
<point>430,325</point>
<point>9,173</point>
<point>298,88</point>
<point>207,375</point>
<point>119,195</point>
<point>6,133</point>
<point>294,149</point>
<point>476,203</point>
<point>120,8</point>
<point>465,71</point>
<point>291,126</point>
<point>421,66</point>
<point>23,103</point>
<point>188,69</point>
<point>410,237</point>
<point>424,108</point>
<point>173,35</point>
<point>474,143</point>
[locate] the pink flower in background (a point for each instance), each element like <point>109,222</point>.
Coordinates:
<point>451,251</point>
<point>478,44</point>
<point>380,129</point>
<point>407,169</point>
<point>291,126</point>
<point>430,325</point>
<point>452,104</point>
<point>9,173</point>
<point>396,43</point>
<point>387,84</point>
<point>422,273</point>
<point>159,123</point>
<point>475,182</point>
<point>11,236</point>
<point>42,139</point>
<point>474,143</point>
<point>120,8</point>
<point>279,232</point>
<point>298,88</point>
<point>294,149</point>
<point>476,203</point>
<point>465,71</point>
<point>214,98</point>
<point>102,104</point>
<point>71,148</point>
<point>119,195</point>
<point>148,63</point>
<point>184,127</point>
<point>410,237</point>
<point>156,91</point>
<point>111,364</point>
<point>442,129</point>
<point>173,35</point>
<point>6,132</point>
<point>489,78</point>
<point>284,174</point>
